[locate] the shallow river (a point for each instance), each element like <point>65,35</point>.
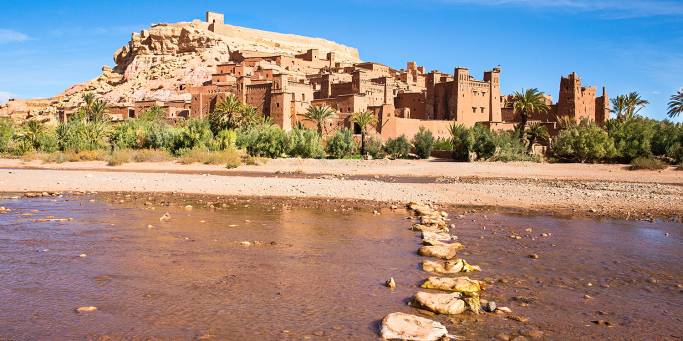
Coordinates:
<point>317,271</point>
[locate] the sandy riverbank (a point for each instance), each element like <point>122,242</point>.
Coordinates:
<point>577,189</point>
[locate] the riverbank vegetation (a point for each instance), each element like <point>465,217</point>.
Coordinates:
<point>236,133</point>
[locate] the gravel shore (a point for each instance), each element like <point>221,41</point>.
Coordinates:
<point>570,189</point>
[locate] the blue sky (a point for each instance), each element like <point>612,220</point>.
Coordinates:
<point>627,45</point>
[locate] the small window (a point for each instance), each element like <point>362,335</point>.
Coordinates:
<point>482,110</point>
<point>474,110</point>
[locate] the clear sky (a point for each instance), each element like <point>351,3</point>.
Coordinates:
<point>626,45</point>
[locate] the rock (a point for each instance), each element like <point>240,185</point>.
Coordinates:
<point>188,207</point>
<point>166,217</point>
<point>428,228</point>
<point>465,285</point>
<point>390,283</point>
<point>531,332</point>
<point>449,266</point>
<point>401,326</point>
<point>518,318</point>
<point>504,309</point>
<point>533,256</point>
<point>602,323</point>
<point>449,304</point>
<point>86,309</point>
<point>503,337</point>
<point>440,250</point>
<point>437,235</point>
<point>83,255</point>
<point>490,307</point>
<point>474,304</point>
<point>245,243</point>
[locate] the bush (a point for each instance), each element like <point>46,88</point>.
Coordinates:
<point>6,134</point>
<point>484,142</point>
<point>443,144</point>
<point>668,141</point>
<point>304,143</point>
<point>649,163</point>
<point>119,157</point>
<point>462,141</point>
<point>398,148</point>
<point>632,138</point>
<point>424,143</point>
<point>192,134</point>
<point>151,155</point>
<point>129,134</point>
<point>510,148</point>
<point>585,142</point>
<point>229,157</point>
<point>225,139</point>
<point>341,144</point>
<point>266,140</point>
<point>79,135</point>
<point>374,147</point>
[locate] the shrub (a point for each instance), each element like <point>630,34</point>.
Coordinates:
<point>443,144</point>
<point>119,157</point>
<point>632,138</point>
<point>225,139</point>
<point>262,140</point>
<point>129,134</point>
<point>93,155</point>
<point>484,142</point>
<point>424,143</point>
<point>6,134</point>
<point>160,135</point>
<point>304,143</point>
<point>668,141</point>
<point>151,155</point>
<point>510,148</point>
<point>584,143</point>
<point>398,148</point>
<point>341,144</point>
<point>80,135</point>
<point>374,147</point>
<point>649,163</point>
<point>462,141</point>
<point>194,133</point>
<point>199,155</point>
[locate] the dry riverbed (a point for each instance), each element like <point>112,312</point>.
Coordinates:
<point>226,267</point>
<point>567,189</point>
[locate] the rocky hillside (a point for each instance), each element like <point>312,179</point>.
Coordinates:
<point>156,62</point>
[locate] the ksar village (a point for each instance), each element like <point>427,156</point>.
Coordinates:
<point>341,170</point>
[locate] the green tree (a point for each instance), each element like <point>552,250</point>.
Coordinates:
<point>676,104</point>
<point>363,120</point>
<point>424,143</point>
<point>626,107</point>
<point>226,115</point>
<point>535,133</point>
<point>526,103</point>
<point>462,141</point>
<point>319,115</point>
<point>584,142</point>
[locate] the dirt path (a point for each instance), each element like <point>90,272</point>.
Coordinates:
<point>593,190</point>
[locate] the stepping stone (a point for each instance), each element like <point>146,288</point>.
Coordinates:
<point>428,228</point>
<point>449,267</point>
<point>448,304</point>
<point>438,235</point>
<point>401,326</point>
<point>465,285</point>
<point>440,250</point>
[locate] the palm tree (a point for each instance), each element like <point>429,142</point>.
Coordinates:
<point>32,133</point>
<point>627,106</point>
<point>226,115</point>
<point>525,103</point>
<point>319,114</point>
<point>363,120</point>
<point>537,132</point>
<point>566,122</point>
<point>676,104</point>
<point>97,111</point>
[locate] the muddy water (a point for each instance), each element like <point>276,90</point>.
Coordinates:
<point>317,272</point>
